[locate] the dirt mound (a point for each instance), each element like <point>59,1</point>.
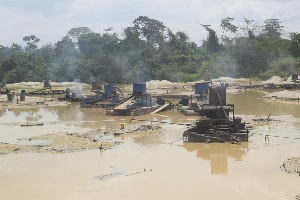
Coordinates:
<point>278,80</point>
<point>155,84</point>
<point>283,95</point>
<point>147,128</point>
<point>263,119</point>
<point>231,81</point>
<point>291,165</point>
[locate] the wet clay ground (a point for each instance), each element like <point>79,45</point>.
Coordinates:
<point>146,160</point>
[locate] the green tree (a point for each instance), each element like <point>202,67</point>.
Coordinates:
<point>65,61</point>
<point>251,58</point>
<point>273,29</point>
<point>90,45</point>
<point>46,53</point>
<point>77,32</point>
<point>150,50</point>
<point>65,48</point>
<point>294,47</point>
<point>16,49</point>
<point>150,29</point>
<point>211,44</point>
<point>131,40</point>
<point>250,28</point>
<point>283,67</point>
<point>32,41</point>
<point>227,26</point>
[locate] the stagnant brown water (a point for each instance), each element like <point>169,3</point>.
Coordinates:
<point>153,166</point>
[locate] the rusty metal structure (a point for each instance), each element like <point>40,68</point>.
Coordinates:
<point>139,103</point>
<point>3,89</point>
<point>295,77</point>
<point>47,84</point>
<point>294,84</point>
<point>73,96</point>
<point>189,105</point>
<point>110,97</point>
<point>218,122</point>
<point>96,86</point>
<point>46,90</point>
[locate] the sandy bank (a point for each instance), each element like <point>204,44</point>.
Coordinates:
<point>30,102</point>
<point>292,165</point>
<point>286,95</point>
<point>43,100</point>
<point>65,142</point>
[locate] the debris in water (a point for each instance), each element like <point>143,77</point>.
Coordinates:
<point>216,125</point>
<point>291,165</point>
<point>108,176</point>
<point>262,119</point>
<point>147,128</point>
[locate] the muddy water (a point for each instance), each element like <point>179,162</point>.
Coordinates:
<point>248,103</point>
<point>153,166</point>
<point>60,119</point>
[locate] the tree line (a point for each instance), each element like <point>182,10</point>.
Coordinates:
<point>149,50</point>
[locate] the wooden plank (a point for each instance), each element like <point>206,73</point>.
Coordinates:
<point>123,105</point>
<point>159,109</point>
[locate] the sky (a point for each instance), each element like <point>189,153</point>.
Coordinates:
<point>51,20</point>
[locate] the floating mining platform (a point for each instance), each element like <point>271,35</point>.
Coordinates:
<point>109,98</point>
<point>218,122</point>
<point>189,106</point>
<point>139,103</point>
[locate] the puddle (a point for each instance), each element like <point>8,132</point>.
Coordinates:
<point>178,170</point>
<point>36,142</point>
<point>108,176</point>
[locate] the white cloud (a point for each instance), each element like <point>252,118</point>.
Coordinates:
<point>51,20</point>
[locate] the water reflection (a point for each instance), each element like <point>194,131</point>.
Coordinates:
<point>2,112</point>
<point>218,154</point>
<point>249,103</point>
<point>33,116</point>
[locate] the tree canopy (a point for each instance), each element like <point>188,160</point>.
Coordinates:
<point>150,50</point>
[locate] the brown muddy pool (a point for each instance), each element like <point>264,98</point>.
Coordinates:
<point>157,165</point>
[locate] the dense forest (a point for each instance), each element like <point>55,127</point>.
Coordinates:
<point>150,51</point>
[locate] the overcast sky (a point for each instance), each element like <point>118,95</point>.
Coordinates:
<point>51,20</point>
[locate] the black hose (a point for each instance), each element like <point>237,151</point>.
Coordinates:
<point>172,123</point>
<point>227,118</point>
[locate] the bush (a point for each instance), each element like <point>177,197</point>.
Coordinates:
<point>284,66</point>
<point>184,77</point>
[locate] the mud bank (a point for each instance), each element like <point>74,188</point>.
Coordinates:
<point>31,86</point>
<point>285,95</point>
<point>154,87</point>
<point>167,87</point>
<point>291,165</point>
<point>30,102</point>
<point>123,168</point>
<point>39,101</point>
<point>264,120</point>
<point>65,142</point>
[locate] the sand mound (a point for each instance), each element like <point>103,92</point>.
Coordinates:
<point>155,84</point>
<point>283,95</point>
<point>292,165</point>
<point>278,80</point>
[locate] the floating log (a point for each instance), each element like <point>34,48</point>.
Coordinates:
<point>38,124</point>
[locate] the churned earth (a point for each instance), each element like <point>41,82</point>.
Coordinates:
<point>64,142</point>
<point>157,157</point>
